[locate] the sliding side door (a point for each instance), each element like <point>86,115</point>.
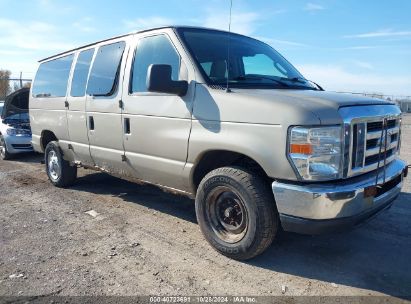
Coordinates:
<point>103,106</point>
<point>76,108</point>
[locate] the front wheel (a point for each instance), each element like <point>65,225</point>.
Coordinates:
<point>236,212</point>
<point>4,154</point>
<point>59,171</point>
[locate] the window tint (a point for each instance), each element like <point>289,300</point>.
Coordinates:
<point>207,67</point>
<point>79,82</point>
<point>261,64</point>
<point>253,64</point>
<point>104,73</point>
<point>153,50</point>
<point>52,78</point>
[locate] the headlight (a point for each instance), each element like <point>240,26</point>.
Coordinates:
<point>316,153</point>
<point>15,132</point>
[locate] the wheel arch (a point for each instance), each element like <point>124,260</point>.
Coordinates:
<point>46,137</point>
<point>213,159</point>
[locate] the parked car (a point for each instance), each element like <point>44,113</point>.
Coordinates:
<point>15,132</point>
<point>259,146</point>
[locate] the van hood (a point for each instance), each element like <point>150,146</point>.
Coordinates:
<point>276,106</point>
<point>329,99</point>
<point>16,103</point>
<point>322,104</point>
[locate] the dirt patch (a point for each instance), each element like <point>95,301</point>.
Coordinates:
<point>26,179</point>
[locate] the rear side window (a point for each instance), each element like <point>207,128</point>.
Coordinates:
<point>153,50</point>
<point>106,67</point>
<point>79,82</point>
<point>52,78</point>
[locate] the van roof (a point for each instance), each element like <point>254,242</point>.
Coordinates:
<point>125,35</point>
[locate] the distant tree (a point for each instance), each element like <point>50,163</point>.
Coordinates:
<point>4,83</point>
<point>16,85</point>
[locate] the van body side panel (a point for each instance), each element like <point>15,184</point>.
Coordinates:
<point>156,148</point>
<point>160,124</point>
<point>257,141</point>
<point>77,126</point>
<point>47,114</point>
<point>227,121</point>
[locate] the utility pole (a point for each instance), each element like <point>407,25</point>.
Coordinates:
<point>21,80</point>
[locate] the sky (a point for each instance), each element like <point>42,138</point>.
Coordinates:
<point>344,45</point>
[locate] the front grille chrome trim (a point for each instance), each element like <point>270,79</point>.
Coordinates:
<point>377,134</point>
<point>359,120</point>
<point>376,150</point>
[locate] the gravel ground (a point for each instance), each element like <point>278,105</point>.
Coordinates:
<point>140,240</point>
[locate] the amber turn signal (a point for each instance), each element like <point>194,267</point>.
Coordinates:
<point>301,148</point>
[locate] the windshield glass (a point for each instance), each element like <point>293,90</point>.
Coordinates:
<point>252,62</point>
<point>1,107</point>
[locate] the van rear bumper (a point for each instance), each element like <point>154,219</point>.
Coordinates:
<point>328,207</point>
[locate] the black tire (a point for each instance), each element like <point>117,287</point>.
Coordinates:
<point>4,154</point>
<point>221,214</point>
<point>59,171</point>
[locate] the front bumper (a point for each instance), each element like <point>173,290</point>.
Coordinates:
<point>326,207</point>
<point>18,144</point>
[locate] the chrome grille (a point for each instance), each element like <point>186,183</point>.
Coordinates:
<point>373,143</point>
<point>363,126</point>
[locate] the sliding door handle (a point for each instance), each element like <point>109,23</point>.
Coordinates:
<point>91,123</point>
<point>127,126</point>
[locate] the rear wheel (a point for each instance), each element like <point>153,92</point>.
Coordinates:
<point>236,212</point>
<point>4,154</point>
<point>59,171</point>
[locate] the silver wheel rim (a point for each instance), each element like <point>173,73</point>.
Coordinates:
<point>53,165</point>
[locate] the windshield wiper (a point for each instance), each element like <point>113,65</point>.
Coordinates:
<point>303,80</point>
<point>317,85</point>
<point>294,79</point>
<point>251,77</point>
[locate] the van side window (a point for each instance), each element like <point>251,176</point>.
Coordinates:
<point>153,50</point>
<point>79,82</point>
<point>52,77</point>
<point>106,68</point>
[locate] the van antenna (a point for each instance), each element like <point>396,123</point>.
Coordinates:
<point>228,49</point>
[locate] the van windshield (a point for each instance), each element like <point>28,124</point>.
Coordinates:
<point>252,62</point>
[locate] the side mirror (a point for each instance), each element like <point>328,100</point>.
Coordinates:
<point>159,80</point>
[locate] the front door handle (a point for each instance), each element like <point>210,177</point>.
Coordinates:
<point>66,104</point>
<point>91,123</point>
